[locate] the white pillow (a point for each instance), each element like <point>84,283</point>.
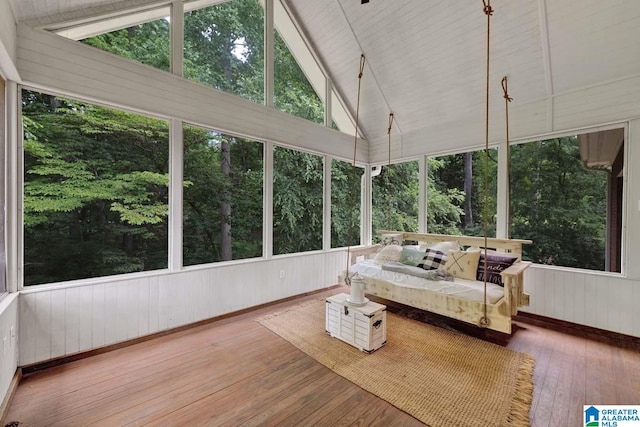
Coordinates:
<point>388,254</point>
<point>391,239</point>
<point>445,246</point>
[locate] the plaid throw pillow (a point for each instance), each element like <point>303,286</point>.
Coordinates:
<point>433,260</point>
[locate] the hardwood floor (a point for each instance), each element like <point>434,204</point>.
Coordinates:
<point>236,372</point>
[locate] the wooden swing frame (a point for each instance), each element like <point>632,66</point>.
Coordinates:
<point>498,315</point>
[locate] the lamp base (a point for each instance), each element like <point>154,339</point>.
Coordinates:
<point>358,303</point>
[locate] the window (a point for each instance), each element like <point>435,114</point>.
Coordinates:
<point>346,191</point>
<point>395,198</point>
<point>297,201</point>
<point>95,190</point>
<point>143,37</point>
<point>224,47</point>
<point>566,196</point>
<point>293,92</point>
<point>456,193</point>
<point>223,195</point>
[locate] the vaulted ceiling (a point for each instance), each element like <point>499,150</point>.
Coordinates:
<point>425,59</point>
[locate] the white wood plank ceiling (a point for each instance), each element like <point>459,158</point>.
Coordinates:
<point>426,58</point>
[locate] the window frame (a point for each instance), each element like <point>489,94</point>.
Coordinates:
<point>20,199</point>
<point>625,191</point>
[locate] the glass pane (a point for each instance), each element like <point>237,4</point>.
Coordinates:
<point>297,201</point>
<point>456,193</point>
<point>562,206</point>
<point>346,190</point>
<point>395,198</point>
<point>147,42</point>
<point>223,197</point>
<point>95,190</point>
<point>224,47</point>
<point>293,93</point>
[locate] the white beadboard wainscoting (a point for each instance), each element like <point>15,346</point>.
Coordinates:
<point>8,341</point>
<point>72,319</point>
<point>600,300</point>
<point>64,321</point>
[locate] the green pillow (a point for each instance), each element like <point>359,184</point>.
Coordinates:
<point>411,256</point>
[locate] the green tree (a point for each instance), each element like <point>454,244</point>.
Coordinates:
<point>297,201</point>
<point>346,187</point>
<point>207,186</point>
<point>147,43</point>
<point>395,198</point>
<point>95,192</point>
<point>558,204</point>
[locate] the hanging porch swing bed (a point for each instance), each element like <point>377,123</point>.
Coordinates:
<point>449,277</point>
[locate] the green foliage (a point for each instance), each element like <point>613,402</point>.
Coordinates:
<point>345,204</point>
<point>292,91</point>
<point>395,198</point>
<point>558,204</point>
<point>297,201</point>
<point>207,187</point>
<point>147,43</point>
<point>224,47</point>
<point>447,174</point>
<point>95,191</point>
<point>444,211</point>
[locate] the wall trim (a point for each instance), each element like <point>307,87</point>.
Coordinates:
<point>588,332</point>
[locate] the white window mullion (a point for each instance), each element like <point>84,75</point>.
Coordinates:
<point>423,189</point>
<point>328,88</point>
<point>268,53</point>
<point>366,207</point>
<point>267,232</point>
<point>502,221</point>
<point>176,172</point>
<point>177,38</point>
<point>326,218</point>
<point>14,189</point>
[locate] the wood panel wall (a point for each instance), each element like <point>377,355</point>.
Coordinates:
<point>8,342</point>
<point>81,317</point>
<point>600,300</point>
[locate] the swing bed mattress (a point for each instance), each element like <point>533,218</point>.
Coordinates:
<point>472,290</point>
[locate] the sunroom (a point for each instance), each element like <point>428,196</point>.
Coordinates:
<point>170,162</point>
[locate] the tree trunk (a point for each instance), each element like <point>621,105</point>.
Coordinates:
<point>468,189</point>
<point>225,206</point>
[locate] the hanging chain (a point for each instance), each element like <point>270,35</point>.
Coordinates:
<point>488,10</point>
<point>388,183</point>
<point>347,279</point>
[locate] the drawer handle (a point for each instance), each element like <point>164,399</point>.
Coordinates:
<point>346,310</point>
<point>377,324</point>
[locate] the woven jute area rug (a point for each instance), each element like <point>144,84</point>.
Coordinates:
<point>441,377</point>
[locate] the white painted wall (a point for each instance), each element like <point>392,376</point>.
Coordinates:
<point>8,43</point>
<point>593,299</point>
<point>81,317</point>
<point>8,341</point>
<point>52,62</point>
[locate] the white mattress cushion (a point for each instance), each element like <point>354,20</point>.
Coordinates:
<point>462,288</point>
